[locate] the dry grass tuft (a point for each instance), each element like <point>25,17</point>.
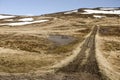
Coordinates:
<point>109,31</point>
<point>24,42</point>
<point>111,46</point>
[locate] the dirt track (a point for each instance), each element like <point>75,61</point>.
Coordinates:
<point>90,65</point>
<point>83,67</point>
<point>85,61</point>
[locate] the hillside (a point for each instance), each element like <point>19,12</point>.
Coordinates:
<point>81,44</point>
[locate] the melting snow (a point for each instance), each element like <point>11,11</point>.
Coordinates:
<point>26,19</point>
<point>108,8</point>
<point>24,23</point>
<point>73,11</point>
<point>4,17</point>
<point>97,16</point>
<point>101,12</point>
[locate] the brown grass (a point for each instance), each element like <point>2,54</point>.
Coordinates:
<point>87,30</point>
<point>24,42</point>
<point>17,63</point>
<point>110,31</point>
<point>107,56</point>
<point>32,46</point>
<point>64,48</point>
<point>22,63</point>
<point>111,46</point>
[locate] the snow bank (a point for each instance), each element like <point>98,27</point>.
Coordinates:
<point>4,17</point>
<point>26,19</point>
<point>101,12</point>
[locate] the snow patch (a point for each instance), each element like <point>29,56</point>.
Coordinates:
<point>101,12</point>
<point>24,23</point>
<point>98,16</point>
<point>26,19</point>
<point>70,12</point>
<point>4,17</point>
<point>108,8</point>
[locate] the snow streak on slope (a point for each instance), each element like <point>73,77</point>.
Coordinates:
<point>69,12</point>
<point>98,16</point>
<point>26,19</point>
<point>24,23</point>
<point>4,17</point>
<point>88,11</point>
<point>109,8</point>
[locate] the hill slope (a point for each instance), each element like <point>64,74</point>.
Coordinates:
<point>81,44</point>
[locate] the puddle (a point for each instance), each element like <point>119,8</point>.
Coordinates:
<point>61,39</point>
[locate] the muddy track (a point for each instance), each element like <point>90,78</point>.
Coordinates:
<point>90,64</point>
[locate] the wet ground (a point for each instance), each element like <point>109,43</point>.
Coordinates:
<point>61,39</point>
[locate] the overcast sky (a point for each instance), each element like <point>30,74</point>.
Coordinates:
<point>38,7</point>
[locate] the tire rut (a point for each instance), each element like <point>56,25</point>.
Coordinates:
<point>90,65</point>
